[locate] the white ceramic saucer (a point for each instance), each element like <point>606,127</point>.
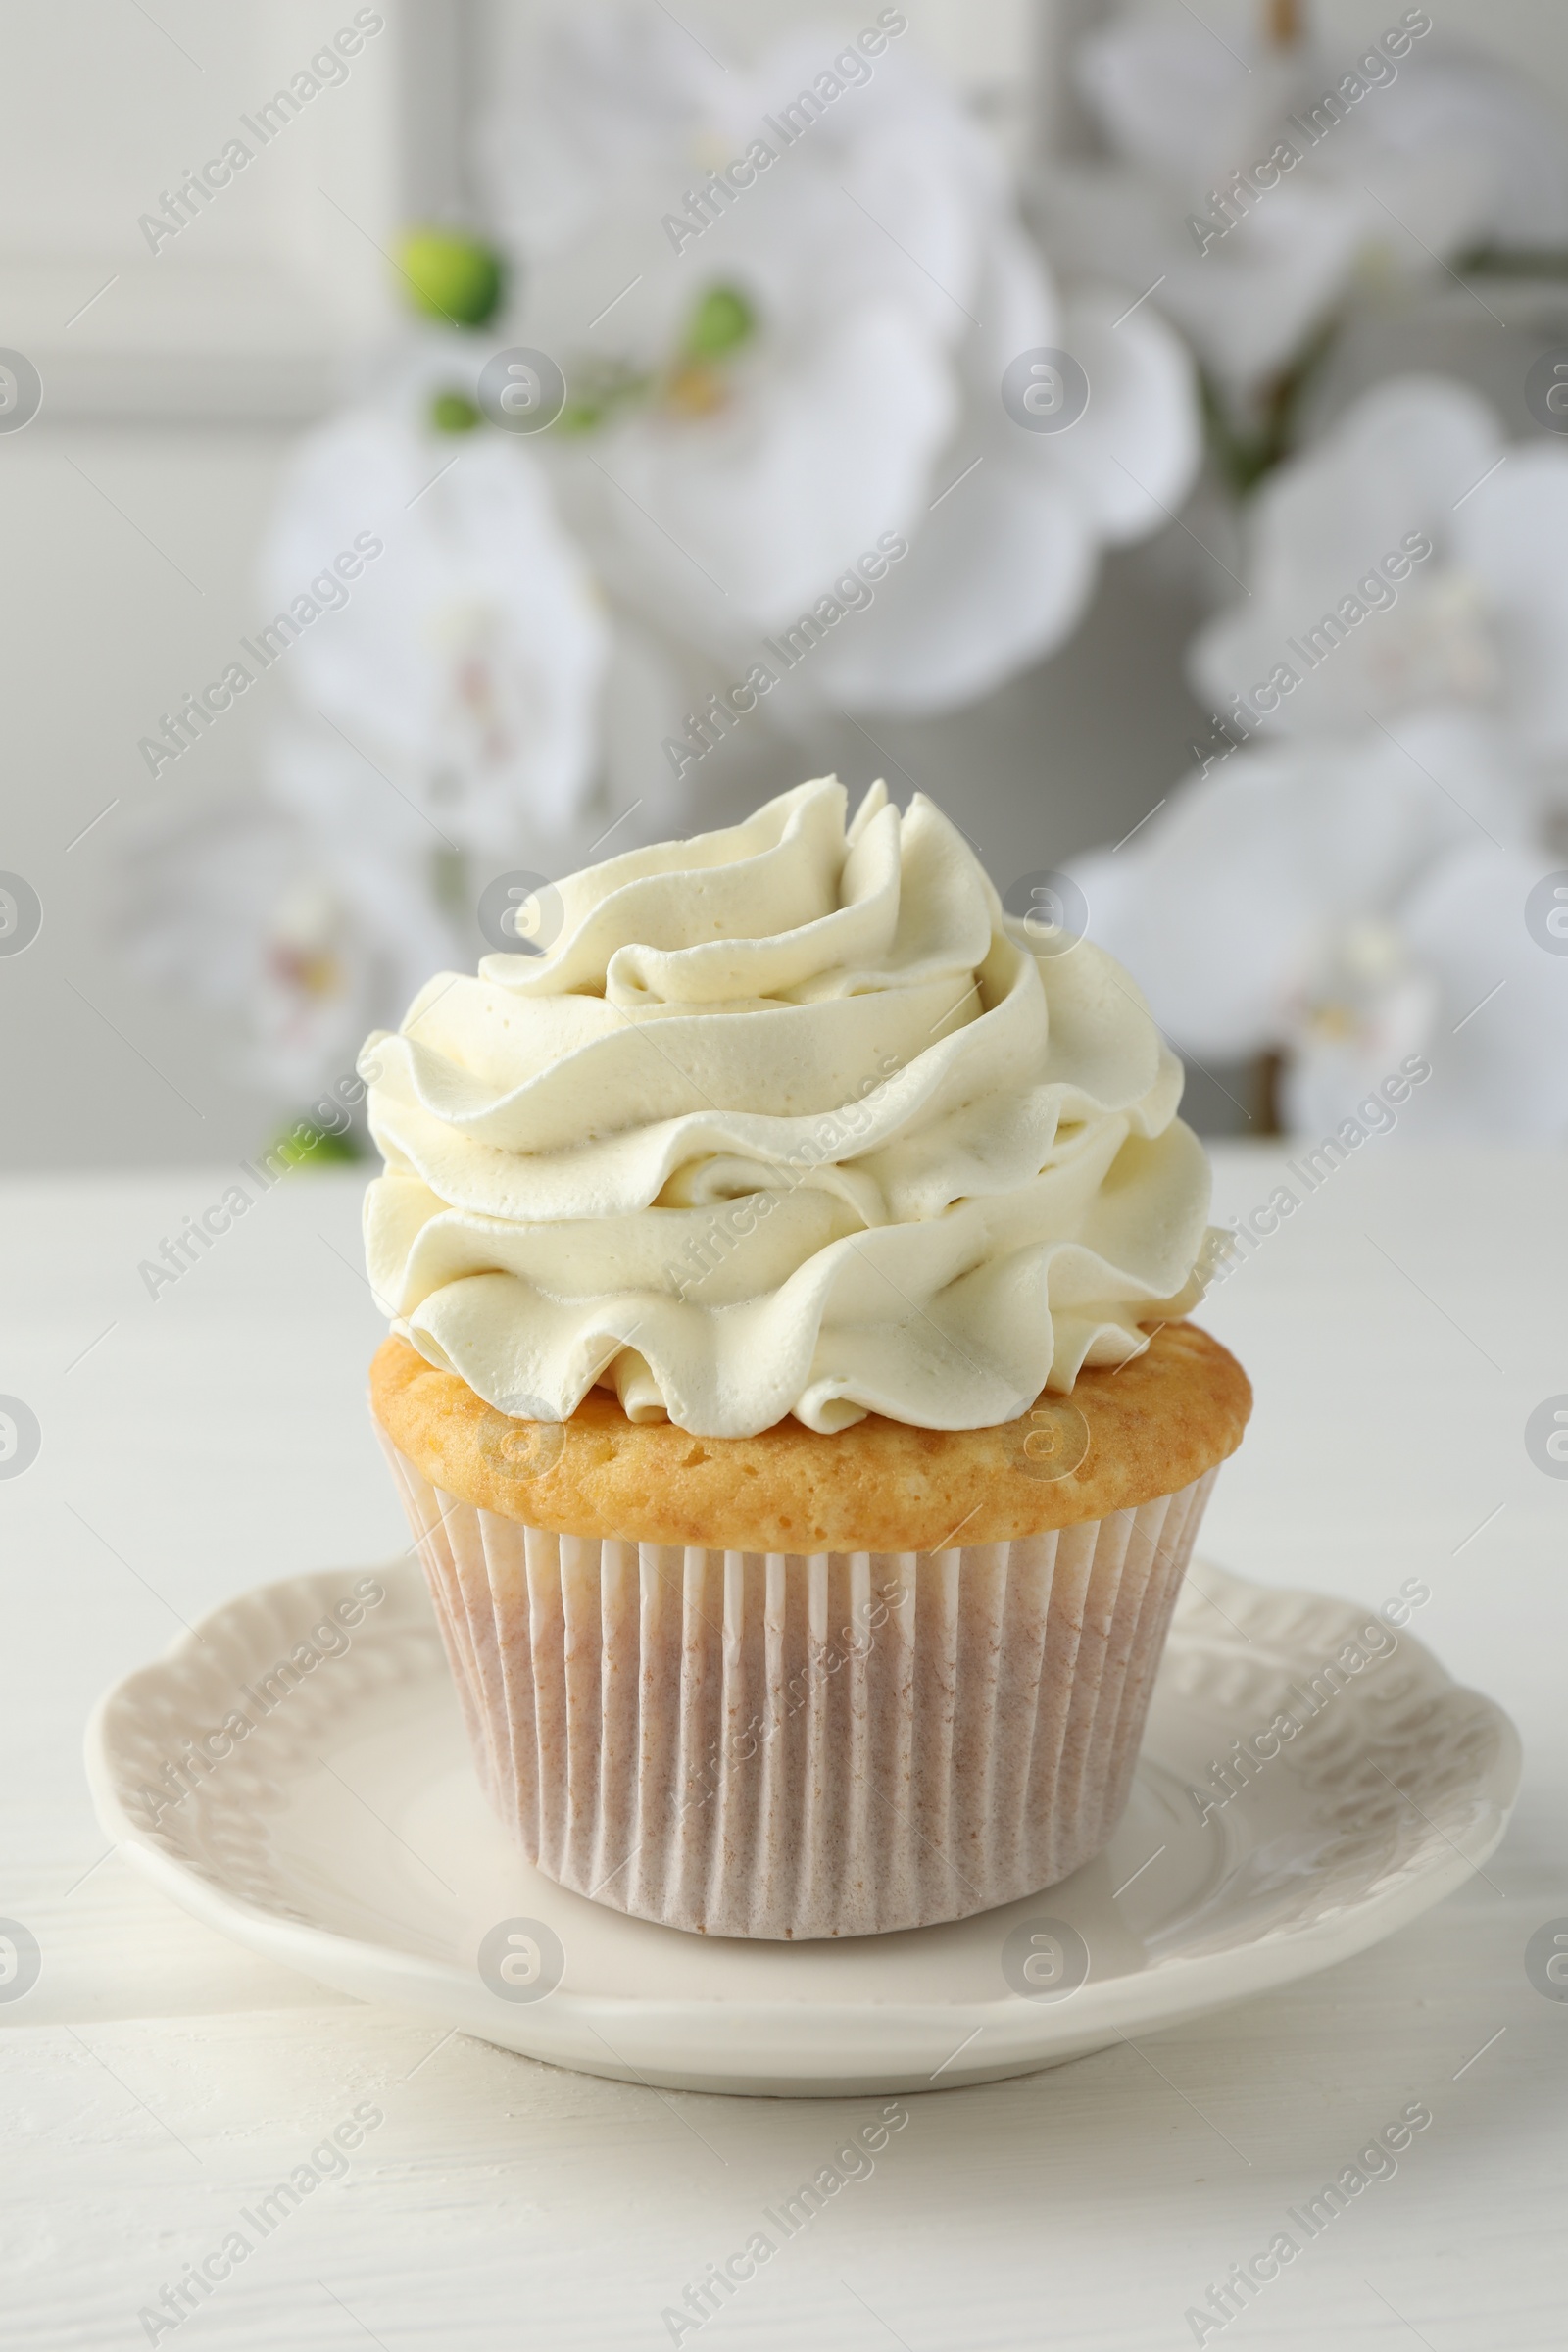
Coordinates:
<point>346,1834</point>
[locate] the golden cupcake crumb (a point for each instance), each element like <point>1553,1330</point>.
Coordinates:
<point>1154,1426</point>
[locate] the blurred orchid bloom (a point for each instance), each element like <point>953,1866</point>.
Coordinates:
<point>462,659</point>
<point>1410,561</point>
<point>784,300</point>
<point>1381,160</point>
<point>1346,903</point>
<point>251,911</point>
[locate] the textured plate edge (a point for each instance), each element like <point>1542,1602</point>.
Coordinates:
<point>1187,1988</point>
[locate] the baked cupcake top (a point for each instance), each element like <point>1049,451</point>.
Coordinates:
<point>1125,1437</point>
<point>787,1119</point>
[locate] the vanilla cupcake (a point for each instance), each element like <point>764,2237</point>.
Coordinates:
<point>788,1389</point>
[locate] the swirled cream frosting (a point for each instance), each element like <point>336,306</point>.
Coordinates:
<point>790,1118</point>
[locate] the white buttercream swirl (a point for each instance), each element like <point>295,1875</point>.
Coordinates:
<point>789,1119</point>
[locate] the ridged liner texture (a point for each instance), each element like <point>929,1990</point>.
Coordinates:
<point>789,1747</point>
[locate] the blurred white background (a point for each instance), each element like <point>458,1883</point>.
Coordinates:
<point>176,385</point>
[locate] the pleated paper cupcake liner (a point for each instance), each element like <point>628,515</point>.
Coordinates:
<point>790,1747</point>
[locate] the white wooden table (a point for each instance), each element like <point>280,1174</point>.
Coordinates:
<point>1399,1329</point>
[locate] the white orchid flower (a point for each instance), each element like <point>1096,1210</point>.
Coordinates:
<point>772,371</point>
<point>248,910</point>
<point>1501,1023</point>
<point>1402,152</point>
<point>1348,904</point>
<point>1248,306</point>
<point>1474,121</point>
<point>1412,559</point>
<point>463,655</point>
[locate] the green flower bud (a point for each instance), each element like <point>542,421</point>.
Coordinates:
<point>453,277</point>
<point>721,322</point>
<point>454,413</point>
<point>319,1147</point>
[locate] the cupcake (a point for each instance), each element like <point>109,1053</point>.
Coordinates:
<point>788,1386</point>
